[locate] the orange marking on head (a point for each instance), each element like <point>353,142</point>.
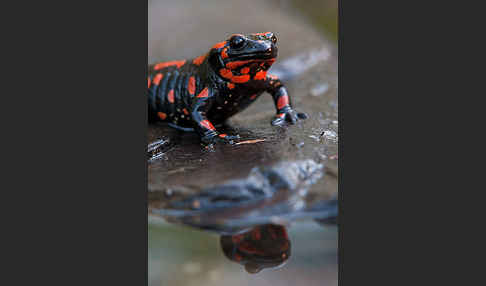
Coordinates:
<point>160,66</point>
<point>222,135</point>
<point>226,73</point>
<point>185,111</point>
<point>261,75</point>
<point>203,93</point>
<point>281,115</point>
<point>253,97</point>
<point>158,78</point>
<point>170,96</point>
<point>262,34</point>
<point>207,124</point>
<point>162,115</point>
<point>191,85</point>
<point>282,101</point>
<point>245,70</point>
<point>224,55</point>
<point>231,85</point>
<point>240,78</point>
<point>199,60</point>
<point>235,64</point>
<point>148,82</point>
<point>219,45</point>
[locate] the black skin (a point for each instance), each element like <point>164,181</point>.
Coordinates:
<point>234,75</point>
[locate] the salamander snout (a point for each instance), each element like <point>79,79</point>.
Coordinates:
<point>273,50</point>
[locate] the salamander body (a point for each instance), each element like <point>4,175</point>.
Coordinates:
<point>201,93</point>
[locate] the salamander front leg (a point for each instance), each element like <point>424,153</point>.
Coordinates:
<point>285,113</point>
<point>207,131</point>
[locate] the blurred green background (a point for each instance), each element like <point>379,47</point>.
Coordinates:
<point>321,13</point>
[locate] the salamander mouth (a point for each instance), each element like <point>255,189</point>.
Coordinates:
<point>256,56</point>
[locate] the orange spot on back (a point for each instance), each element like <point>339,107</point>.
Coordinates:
<point>162,115</point>
<point>178,64</point>
<point>191,85</point>
<point>261,75</point>
<point>203,93</point>
<point>148,82</point>
<point>158,78</point>
<point>207,124</point>
<point>219,45</point>
<point>170,96</point>
<point>231,85</point>
<point>185,111</point>
<point>253,97</point>
<point>199,60</point>
<point>282,101</point>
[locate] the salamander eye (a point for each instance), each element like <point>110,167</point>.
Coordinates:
<point>274,39</point>
<point>237,42</point>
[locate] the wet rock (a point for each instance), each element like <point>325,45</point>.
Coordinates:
<point>156,149</point>
<point>277,194</point>
<point>261,184</point>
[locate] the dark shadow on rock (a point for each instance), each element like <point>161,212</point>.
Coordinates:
<point>274,194</point>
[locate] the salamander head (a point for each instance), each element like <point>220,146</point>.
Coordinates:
<point>244,57</point>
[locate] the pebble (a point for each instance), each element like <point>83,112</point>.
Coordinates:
<point>169,192</point>
<point>196,204</point>
<point>329,134</point>
<point>315,137</point>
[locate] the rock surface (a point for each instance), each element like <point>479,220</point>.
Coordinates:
<point>308,61</point>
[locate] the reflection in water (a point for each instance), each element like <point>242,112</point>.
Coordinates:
<point>265,246</point>
<point>186,256</point>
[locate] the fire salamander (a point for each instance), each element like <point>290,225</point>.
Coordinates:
<point>201,93</point>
